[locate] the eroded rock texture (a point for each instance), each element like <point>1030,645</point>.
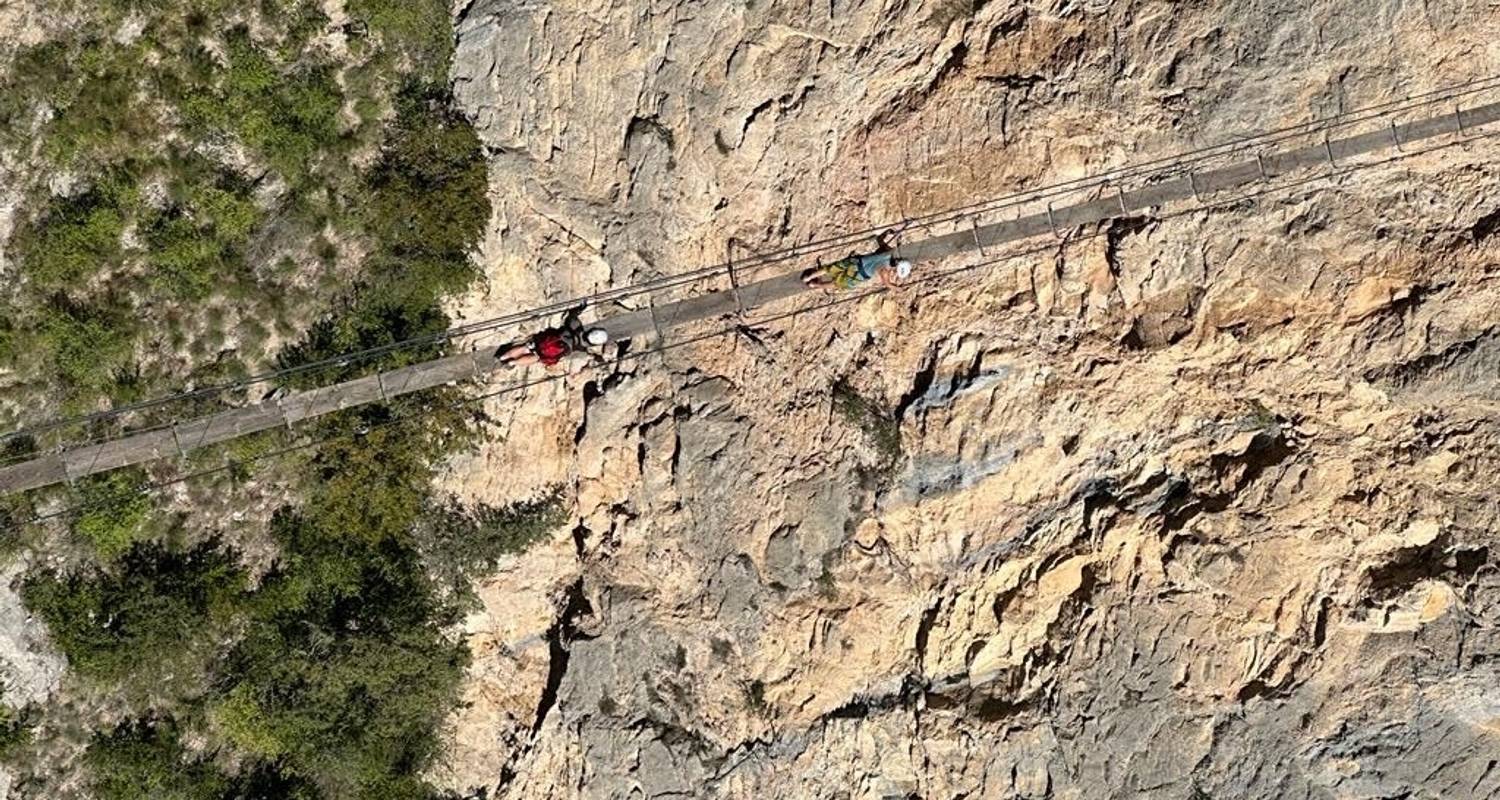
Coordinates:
<point>1197,504</point>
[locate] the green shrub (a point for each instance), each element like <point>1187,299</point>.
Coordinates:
<point>187,77</point>
<point>337,673</point>
<point>195,248</point>
<point>267,781</point>
<point>350,710</point>
<point>358,325</point>
<point>10,351</point>
<point>115,511</point>
<point>301,20</point>
<point>372,485</point>
<point>346,504</point>
<point>34,76</point>
<point>102,114</point>
<point>229,212</point>
<point>288,118</point>
<point>251,72</point>
<point>85,346</point>
<point>15,730</point>
<point>156,611</point>
<point>826,584</point>
<point>145,758</point>
<point>420,30</point>
<point>186,263</point>
<point>882,429</point>
<point>460,544</point>
<point>427,204</point>
<point>343,675</point>
<point>73,240</point>
<point>428,196</point>
<point>755,698</point>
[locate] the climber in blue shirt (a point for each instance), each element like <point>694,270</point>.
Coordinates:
<point>857,268</point>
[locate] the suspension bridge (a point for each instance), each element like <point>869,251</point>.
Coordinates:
<point>733,290</point>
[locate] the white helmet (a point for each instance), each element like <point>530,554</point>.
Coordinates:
<point>903,269</point>
<point>596,336</point>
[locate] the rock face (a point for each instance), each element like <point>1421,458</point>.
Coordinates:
<point>1194,505</point>
<point>30,669</point>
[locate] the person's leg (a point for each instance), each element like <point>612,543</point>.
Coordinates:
<point>816,277</point>
<point>518,353</point>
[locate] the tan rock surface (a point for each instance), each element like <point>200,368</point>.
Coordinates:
<point>1195,505</point>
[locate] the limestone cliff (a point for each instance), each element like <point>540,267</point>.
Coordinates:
<point>1195,505</point>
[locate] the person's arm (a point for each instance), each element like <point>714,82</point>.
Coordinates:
<point>572,319</point>
<point>888,238</point>
<point>889,277</point>
<point>574,362</point>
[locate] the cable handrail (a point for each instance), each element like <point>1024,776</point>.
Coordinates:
<point>661,347</point>
<point>1162,167</point>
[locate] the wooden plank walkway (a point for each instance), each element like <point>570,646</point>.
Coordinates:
<point>178,440</point>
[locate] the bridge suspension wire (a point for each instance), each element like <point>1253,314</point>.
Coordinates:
<point>1161,167</point>
<point>69,465</point>
<point>518,387</point>
<point>142,447</point>
<point>660,347</point>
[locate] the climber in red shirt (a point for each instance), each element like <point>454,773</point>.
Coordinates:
<point>549,347</point>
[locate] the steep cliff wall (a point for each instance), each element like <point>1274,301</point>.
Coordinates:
<point>1197,504</point>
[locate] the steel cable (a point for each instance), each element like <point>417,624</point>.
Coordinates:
<point>724,330</point>
<point>1157,168</point>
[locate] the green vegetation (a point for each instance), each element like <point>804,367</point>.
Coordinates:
<point>196,244</point>
<point>115,511</point>
<point>76,236</point>
<point>343,675</point>
<point>428,191</point>
<point>145,758</point>
<point>375,485</point>
<point>290,115</point>
<point>100,116</point>
<point>15,730</point>
<point>459,544</point>
<point>352,711</point>
<point>826,583</point>
<point>182,108</point>
<point>419,32</point>
<point>882,430</point>
<point>354,718</point>
<point>339,675</point>
<point>427,206</point>
<point>153,611</point>
<point>86,347</point>
<point>231,178</point>
<point>755,698</point>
